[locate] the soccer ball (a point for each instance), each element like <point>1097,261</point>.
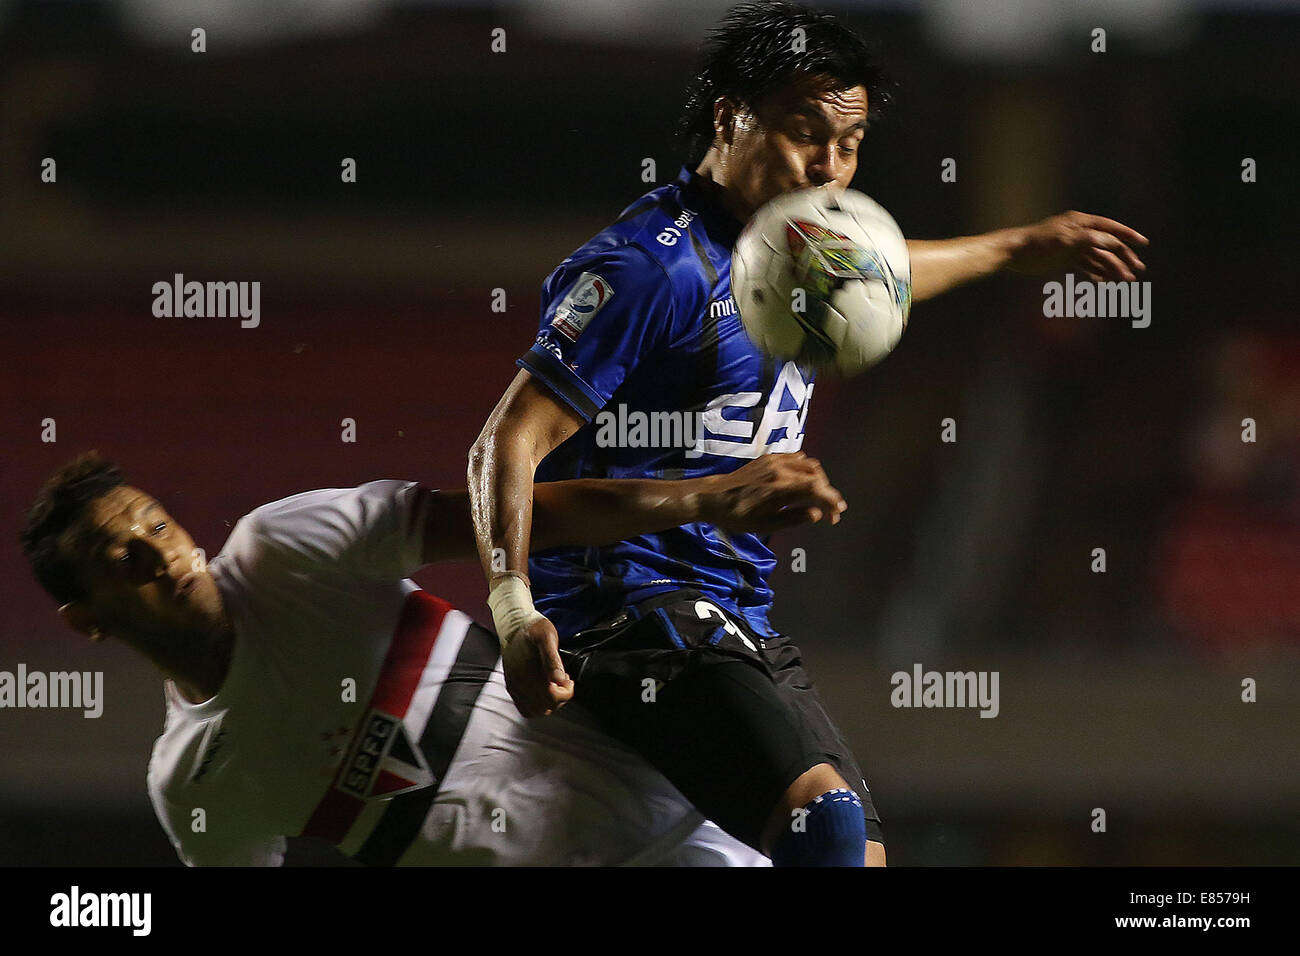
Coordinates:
<point>822,276</point>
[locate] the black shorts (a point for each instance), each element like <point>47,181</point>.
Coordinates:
<point>730,718</point>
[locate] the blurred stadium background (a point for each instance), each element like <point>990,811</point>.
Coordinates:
<point>479,171</point>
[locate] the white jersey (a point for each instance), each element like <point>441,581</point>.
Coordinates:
<point>363,710</point>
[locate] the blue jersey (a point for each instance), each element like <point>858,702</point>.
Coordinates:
<point>640,336</point>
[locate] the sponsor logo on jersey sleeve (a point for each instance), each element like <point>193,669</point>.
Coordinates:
<point>547,341</point>
<point>588,296</point>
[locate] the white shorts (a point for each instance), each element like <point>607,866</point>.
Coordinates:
<point>557,791</point>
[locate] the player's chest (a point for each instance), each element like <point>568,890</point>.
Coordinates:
<point>747,403</point>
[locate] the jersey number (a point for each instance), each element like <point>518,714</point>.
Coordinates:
<point>707,612</point>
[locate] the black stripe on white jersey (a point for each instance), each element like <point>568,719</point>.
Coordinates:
<point>401,822</point>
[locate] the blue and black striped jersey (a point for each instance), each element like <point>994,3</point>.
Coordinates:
<point>640,336</point>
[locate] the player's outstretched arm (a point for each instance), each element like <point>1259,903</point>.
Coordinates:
<point>767,494</point>
<point>1101,248</point>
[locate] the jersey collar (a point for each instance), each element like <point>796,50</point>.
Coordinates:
<point>697,194</point>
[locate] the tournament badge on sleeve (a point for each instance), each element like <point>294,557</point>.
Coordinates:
<point>588,296</point>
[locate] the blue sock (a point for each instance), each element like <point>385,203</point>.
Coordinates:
<point>833,833</point>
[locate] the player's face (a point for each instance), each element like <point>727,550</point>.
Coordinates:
<point>806,134</point>
<point>138,567</point>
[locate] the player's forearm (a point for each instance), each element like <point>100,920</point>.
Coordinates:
<point>501,502</point>
<point>603,511</point>
<point>584,511</point>
<point>939,265</point>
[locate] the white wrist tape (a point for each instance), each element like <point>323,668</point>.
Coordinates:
<point>512,608</point>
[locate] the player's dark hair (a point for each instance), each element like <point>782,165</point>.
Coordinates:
<point>60,503</point>
<point>753,52</point>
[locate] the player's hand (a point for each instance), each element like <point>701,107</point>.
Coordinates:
<point>535,674</point>
<point>1100,248</point>
<point>772,492</point>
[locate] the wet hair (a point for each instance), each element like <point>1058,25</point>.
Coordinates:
<point>61,502</point>
<point>752,52</point>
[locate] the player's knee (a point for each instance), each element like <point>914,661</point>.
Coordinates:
<point>812,783</point>
<point>829,830</point>
<point>875,854</point>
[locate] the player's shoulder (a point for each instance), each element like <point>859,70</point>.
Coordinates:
<point>651,242</point>
<point>305,504</point>
<point>306,517</point>
<point>183,751</point>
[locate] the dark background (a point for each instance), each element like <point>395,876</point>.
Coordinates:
<point>481,170</point>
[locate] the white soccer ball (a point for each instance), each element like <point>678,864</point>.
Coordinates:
<point>822,276</point>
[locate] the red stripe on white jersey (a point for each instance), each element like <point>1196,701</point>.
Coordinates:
<point>410,652</point>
